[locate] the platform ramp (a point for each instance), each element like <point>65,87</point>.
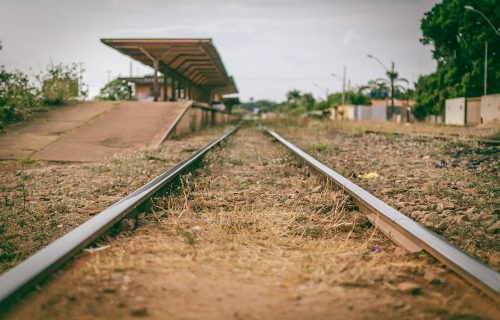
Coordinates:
<point>129,125</point>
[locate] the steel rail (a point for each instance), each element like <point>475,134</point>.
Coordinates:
<point>40,265</point>
<point>468,267</point>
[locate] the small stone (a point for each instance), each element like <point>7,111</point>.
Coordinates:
<point>433,278</point>
<point>440,207</point>
<point>494,260</point>
<point>416,214</point>
<point>410,288</point>
<point>398,252</point>
<point>447,212</point>
<point>494,228</point>
<point>316,189</point>
<point>128,224</point>
<point>449,205</point>
<point>196,229</point>
<point>469,211</point>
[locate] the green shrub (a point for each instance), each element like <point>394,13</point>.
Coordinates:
<point>60,84</point>
<point>117,89</point>
<point>18,96</point>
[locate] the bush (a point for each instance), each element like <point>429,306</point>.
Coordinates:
<point>117,89</point>
<point>60,84</point>
<point>18,97</point>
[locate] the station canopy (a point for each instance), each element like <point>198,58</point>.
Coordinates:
<point>196,60</point>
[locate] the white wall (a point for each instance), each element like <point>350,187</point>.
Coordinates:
<point>490,107</point>
<point>378,113</point>
<point>455,111</point>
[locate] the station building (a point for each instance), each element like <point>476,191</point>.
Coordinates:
<point>189,69</point>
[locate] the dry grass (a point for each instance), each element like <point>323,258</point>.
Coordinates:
<point>449,186</point>
<point>253,230</point>
<point>41,201</point>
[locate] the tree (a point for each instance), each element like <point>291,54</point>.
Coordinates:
<point>61,83</point>
<point>18,96</point>
<point>377,88</point>
<point>293,96</point>
<point>458,38</point>
<point>117,89</point>
<point>308,101</point>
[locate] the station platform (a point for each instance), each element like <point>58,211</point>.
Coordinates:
<point>90,131</point>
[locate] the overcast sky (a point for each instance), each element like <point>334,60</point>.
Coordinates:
<point>268,46</point>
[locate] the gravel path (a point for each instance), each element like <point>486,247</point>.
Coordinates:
<point>450,186</point>
<point>254,235</point>
<point>41,201</point>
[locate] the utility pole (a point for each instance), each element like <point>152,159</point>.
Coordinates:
<point>343,79</point>
<point>485,67</point>
<point>109,75</point>
<point>497,32</point>
<point>392,86</point>
<point>131,68</point>
<point>343,86</point>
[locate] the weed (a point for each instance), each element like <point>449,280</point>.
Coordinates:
<point>319,147</point>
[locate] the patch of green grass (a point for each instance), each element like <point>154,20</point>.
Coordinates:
<point>26,161</point>
<point>319,147</point>
<point>456,144</point>
<point>495,136</point>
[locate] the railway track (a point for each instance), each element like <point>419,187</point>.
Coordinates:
<point>395,225</point>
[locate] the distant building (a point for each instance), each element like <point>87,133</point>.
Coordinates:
<point>143,90</point>
<point>379,110</point>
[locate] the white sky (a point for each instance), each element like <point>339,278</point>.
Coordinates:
<point>268,46</point>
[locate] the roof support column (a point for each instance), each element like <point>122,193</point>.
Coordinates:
<point>155,80</point>
<point>165,91</point>
<point>174,89</point>
<point>181,88</point>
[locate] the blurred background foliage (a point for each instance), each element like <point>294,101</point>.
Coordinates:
<point>22,94</point>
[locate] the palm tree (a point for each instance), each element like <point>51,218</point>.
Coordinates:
<point>378,88</point>
<point>394,76</point>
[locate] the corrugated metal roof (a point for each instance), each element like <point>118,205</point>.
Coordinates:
<point>194,59</point>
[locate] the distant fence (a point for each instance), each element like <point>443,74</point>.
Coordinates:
<point>470,111</point>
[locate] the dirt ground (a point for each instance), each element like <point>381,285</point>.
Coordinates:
<point>40,201</point>
<point>254,235</point>
<point>450,186</point>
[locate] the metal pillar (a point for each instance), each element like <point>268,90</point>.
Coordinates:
<point>165,91</point>
<point>155,80</point>
<point>485,67</point>
<point>174,95</point>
